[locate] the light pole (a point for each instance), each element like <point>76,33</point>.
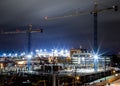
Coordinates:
<point>95,57</point>
<point>28,32</point>
<point>105,67</point>
<point>76,78</point>
<point>29,56</point>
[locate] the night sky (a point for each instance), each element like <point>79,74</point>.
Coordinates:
<point>71,32</point>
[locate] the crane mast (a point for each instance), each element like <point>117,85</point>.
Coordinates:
<point>95,26</point>
<point>28,32</point>
<point>29,37</point>
<point>95,14</point>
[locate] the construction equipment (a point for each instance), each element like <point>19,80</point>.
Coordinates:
<point>95,15</point>
<point>28,32</point>
<point>41,83</point>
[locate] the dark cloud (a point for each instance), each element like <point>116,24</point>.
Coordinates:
<point>68,32</point>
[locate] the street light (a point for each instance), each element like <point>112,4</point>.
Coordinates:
<point>4,55</point>
<point>36,50</point>
<point>76,80</point>
<point>77,77</point>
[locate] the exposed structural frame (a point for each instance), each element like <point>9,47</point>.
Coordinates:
<point>28,32</point>
<point>95,15</point>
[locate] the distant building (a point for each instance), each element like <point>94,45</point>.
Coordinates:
<point>4,62</point>
<point>84,59</point>
<point>77,50</point>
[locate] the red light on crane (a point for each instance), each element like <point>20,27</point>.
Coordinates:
<point>17,30</point>
<point>46,17</point>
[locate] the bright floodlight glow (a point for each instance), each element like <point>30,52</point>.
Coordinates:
<point>21,62</point>
<point>52,50</point>
<point>41,50</point>
<point>83,58</point>
<point>78,60</point>
<point>16,54</point>
<point>4,54</point>
<point>95,56</point>
<point>116,74</point>
<point>36,50</point>
<point>22,54</point>
<point>31,53</point>
<point>9,54</point>
<point>45,50</point>
<point>66,51</point>
<point>29,56</point>
<point>56,51</point>
<point>77,77</point>
<point>61,52</point>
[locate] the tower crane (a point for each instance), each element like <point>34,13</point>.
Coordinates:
<point>94,12</point>
<point>28,32</point>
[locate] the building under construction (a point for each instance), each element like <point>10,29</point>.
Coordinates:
<point>84,59</point>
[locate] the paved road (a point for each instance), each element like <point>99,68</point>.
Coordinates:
<point>104,83</point>
<point>116,83</point>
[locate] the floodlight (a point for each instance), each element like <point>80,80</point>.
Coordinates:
<point>95,56</point>
<point>4,54</point>
<point>29,56</point>
<point>36,50</point>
